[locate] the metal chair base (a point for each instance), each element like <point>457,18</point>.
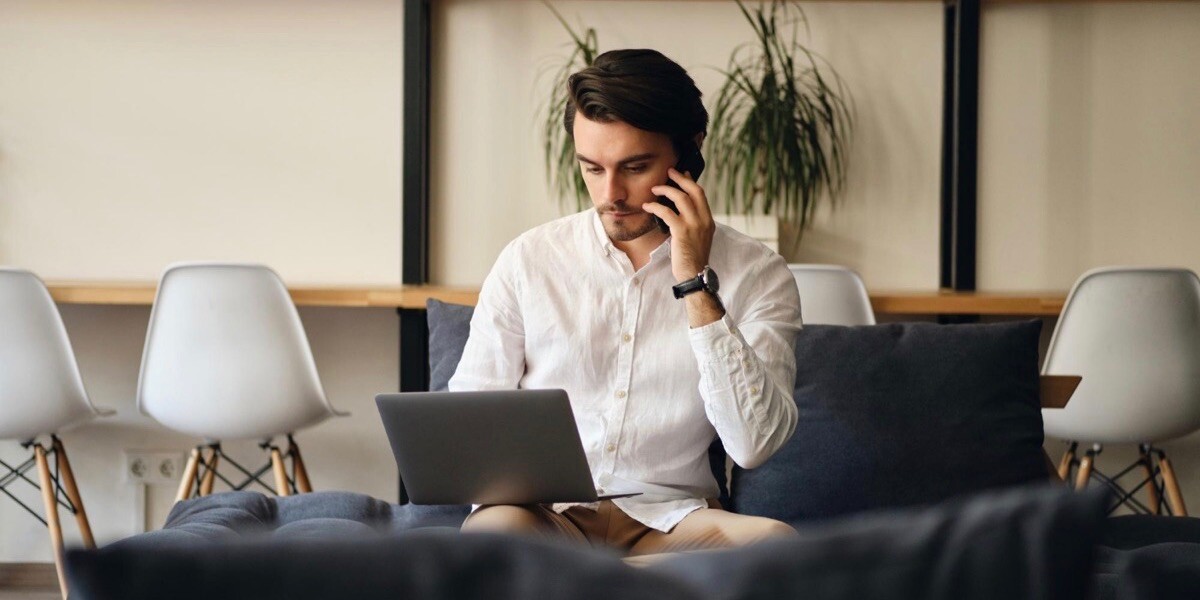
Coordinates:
<point>201,472</point>
<point>58,489</point>
<point>1159,481</point>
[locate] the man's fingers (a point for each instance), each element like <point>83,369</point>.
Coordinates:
<point>693,189</point>
<point>661,211</point>
<point>683,202</point>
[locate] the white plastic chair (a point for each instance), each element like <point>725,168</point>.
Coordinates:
<point>41,394</point>
<point>832,295</point>
<point>1134,336</point>
<point>226,358</point>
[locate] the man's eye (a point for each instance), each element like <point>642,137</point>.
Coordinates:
<point>593,170</point>
<point>636,168</point>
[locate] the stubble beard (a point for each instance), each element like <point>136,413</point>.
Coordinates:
<point>620,232</point>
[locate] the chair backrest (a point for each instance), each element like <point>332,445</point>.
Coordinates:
<point>41,390</point>
<point>832,295</point>
<point>226,356</point>
<point>1134,336</point>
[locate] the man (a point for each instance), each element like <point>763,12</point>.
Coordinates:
<point>656,359</point>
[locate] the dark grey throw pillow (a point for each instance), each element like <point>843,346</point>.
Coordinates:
<point>449,327</point>
<point>903,414</point>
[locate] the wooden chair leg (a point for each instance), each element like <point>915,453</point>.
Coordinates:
<point>189,476</point>
<point>1085,471</point>
<point>281,481</point>
<point>300,473</point>
<point>1064,465</point>
<point>210,474</point>
<point>50,498</point>
<point>1174,496</point>
<point>68,480</point>
<point>1152,485</point>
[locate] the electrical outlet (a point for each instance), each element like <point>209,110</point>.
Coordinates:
<point>153,468</point>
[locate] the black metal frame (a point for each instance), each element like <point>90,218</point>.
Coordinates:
<point>959,164</point>
<point>202,468</point>
<point>18,472</point>
<point>1125,496</point>
<point>414,332</point>
<point>960,146</point>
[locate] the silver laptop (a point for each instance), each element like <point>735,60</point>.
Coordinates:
<point>498,447</point>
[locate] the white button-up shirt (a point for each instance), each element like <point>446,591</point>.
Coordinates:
<point>563,308</point>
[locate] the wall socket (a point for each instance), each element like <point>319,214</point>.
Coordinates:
<point>151,467</point>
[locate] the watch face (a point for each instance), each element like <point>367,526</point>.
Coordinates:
<point>711,283</point>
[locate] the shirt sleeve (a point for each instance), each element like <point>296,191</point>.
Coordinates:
<point>748,368</point>
<point>494,356</point>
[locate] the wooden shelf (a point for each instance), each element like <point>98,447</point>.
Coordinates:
<point>1035,304</point>
<point>142,294</point>
<point>1046,304</point>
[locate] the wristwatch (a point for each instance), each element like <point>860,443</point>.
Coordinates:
<point>706,280</point>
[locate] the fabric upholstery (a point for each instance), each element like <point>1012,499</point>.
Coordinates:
<point>449,327</point>
<point>1026,542</point>
<point>426,565</point>
<point>903,414</point>
<point>999,545</point>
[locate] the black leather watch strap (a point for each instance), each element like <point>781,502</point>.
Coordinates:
<point>690,286</point>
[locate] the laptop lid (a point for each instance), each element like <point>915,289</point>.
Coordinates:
<point>493,447</point>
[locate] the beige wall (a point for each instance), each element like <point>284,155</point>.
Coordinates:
<point>1090,131</point>
<point>134,133</point>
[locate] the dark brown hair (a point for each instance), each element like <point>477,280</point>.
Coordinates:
<point>642,88</point>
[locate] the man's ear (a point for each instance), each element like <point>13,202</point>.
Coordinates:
<point>700,138</point>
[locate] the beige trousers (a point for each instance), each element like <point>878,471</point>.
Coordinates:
<point>609,526</point>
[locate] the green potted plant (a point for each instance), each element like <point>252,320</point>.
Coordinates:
<point>562,168</point>
<point>781,123</point>
<point>780,132</point>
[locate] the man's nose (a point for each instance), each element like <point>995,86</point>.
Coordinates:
<point>614,188</point>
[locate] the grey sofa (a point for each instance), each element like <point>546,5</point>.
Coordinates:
<point>915,472</point>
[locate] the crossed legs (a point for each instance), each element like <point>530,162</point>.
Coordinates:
<point>705,528</point>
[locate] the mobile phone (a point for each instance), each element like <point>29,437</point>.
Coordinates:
<point>691,162</point>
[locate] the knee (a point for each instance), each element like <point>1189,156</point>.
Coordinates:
<point>773,530</point>
<point>764,529</point>
<point>503,518</point>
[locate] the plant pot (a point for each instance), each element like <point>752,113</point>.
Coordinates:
<point>764,228</point>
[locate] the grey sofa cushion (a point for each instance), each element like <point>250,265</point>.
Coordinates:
<point>903,414</point>
<point>1027,542</point>
<point>425,565</point>
<point>449,327</point>
<point>231,516</point>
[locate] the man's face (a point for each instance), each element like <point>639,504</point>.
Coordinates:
<point>620,164</point>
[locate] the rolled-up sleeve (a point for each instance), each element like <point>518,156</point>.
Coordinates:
<point>748,368</point>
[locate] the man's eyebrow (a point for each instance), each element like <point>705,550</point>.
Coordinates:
<point>624,161</point>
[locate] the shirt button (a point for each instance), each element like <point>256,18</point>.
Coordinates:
<point>620,393</point>
<point>753,390</point>
<point>611,447</point>
<point>627,338</point>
